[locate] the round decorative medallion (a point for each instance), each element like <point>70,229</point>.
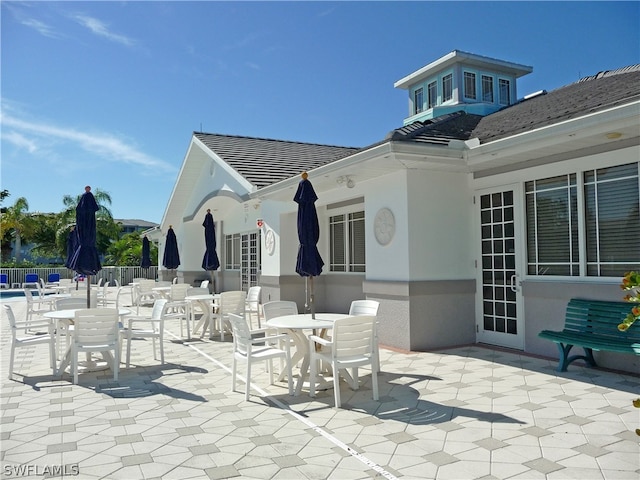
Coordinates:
<point>384,226</point>
<point>270,242</point>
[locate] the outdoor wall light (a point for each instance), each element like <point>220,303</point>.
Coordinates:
<point>346,180</point>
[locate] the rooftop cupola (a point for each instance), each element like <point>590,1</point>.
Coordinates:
<point>461,81</point>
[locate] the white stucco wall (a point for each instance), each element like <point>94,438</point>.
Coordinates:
<point>440,226</point>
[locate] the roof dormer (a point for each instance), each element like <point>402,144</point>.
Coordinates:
<point>461,81</point>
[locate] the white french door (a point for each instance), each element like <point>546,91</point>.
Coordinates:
<point>499,309</point>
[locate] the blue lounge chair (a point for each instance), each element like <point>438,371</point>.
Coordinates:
<point>4,280</point>
<point>53,278</point>
<point>30,280</point>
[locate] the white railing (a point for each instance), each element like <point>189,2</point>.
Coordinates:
<point>124,275</point>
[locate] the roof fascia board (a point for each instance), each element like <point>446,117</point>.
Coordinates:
<point>617,117</point>
<point>176,185</point>
<point>225,166</point>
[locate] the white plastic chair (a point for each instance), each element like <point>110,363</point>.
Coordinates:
<point>251,350</point>
<point>252,304</point>
<point>147,327</point>
<point>177,306</point>
<point>204,284</point>
<point>279,308</point>
<point>230,302</point>
<point>27,341</point>
<point>368,307</point>
<point>351,346</point>
<point>65,328</point>
<point>95,330</point>
<point>35,305</point>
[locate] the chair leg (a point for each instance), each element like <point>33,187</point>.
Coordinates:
<point>248,380</point>
<point>374,383</point>
<point>128,348</point>
<point>234,368</point>
<point>13,352</point>
<point>313,367</point>
<point>336,385</point>
<point>355,384</point>
<point>74,365</point>
<point>116,362</point>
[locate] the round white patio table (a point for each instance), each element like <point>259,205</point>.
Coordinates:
<point>295,326</point>
<point>66,317</point>
<point>206,302</point>
<point>164,292</point>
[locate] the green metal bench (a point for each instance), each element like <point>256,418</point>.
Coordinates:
<point>593,325</point>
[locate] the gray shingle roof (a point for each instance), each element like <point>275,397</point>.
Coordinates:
<point>590,94</point>
<point>264,161</point>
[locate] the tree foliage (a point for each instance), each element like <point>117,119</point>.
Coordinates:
<point>48,232</point>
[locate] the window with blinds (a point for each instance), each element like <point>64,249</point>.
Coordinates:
<point>552,226</point>
<point>347,245</point>
<point>233,252</point>
<point>612,220</point>
<point>609,222</point>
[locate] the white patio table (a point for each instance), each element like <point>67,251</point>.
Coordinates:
<point>295,326</point>
<point>66,317</point>
<point>206,303</point>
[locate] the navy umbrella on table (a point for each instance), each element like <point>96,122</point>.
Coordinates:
<point>309,262</point>
<point>145,261</point>
<point>86,260</point>
<point>210,261</point>
<point>171,257</point>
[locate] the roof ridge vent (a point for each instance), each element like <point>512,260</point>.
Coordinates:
<point>534,94</point>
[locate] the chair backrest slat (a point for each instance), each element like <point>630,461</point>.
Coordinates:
<point>233,302</point>
<point>364,307</point>
<point>179,291</point>
<point>241,333</point>
<point>353,336</point>
<point>279,308</point>
<point>96,326</point>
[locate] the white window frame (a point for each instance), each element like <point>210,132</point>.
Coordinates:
<point>447,87</point>
<point>487,92</point>
<point>472,81</point>
<point>589,267</point>
<point>348,219</point>
<point>418,100</point>
<point>432,86</point>
<point>233,252</point>
<point>501,91</point>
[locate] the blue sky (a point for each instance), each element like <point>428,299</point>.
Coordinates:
<point>108,94</point>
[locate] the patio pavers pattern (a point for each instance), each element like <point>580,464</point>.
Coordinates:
<point>464,413</point>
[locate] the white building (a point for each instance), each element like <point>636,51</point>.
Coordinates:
<point>476,221</point>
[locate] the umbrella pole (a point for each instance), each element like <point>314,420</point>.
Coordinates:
<point>213,281</point>
<point>88,291</point>
<point>312,300</point>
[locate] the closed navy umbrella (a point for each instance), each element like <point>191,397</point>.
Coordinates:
<point>86,260</point>
<point>210,261</point>
<point>309,262</point>
<point>171,257</point>
<point>145,262</point>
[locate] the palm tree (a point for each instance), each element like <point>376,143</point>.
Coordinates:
<point>106,229</point>
<point>17,219</point>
